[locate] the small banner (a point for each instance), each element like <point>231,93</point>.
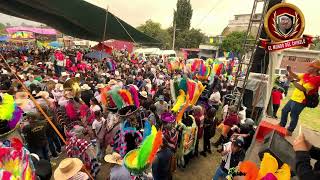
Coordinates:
<point>298,42</point>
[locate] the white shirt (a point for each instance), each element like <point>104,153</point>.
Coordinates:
<point>96,125</point>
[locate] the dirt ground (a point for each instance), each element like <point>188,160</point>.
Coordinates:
<point>199,168</point>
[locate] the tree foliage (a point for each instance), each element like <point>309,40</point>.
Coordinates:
<point>2,29</point>
<point>183,15</point>
<point>153,29</point>
<point>234,42</point>
<point>190,39</point>
<point>315,45</point>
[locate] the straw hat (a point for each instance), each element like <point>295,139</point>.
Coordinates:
<point>43,94</point>
<point>85,87</point>
<point>77,75</point>
<point>112,82</point>
<point>113,158</point>
<point>67,168</point>
<point>315,64</point>
<point>99,86</point>
<point>144,94</point>
<point>59,86</point>
<point>64,74</point>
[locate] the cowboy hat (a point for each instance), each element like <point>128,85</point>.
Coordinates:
<point>85,87</point>
<point>112,82</point>
<point>67,168</point>
<point>58,86</point>
<point>77,75</point>
<point>143,94</point>
<point>113,158</point>
<point>99,86</point>
<point>43,94</point>
<point>168,117</point>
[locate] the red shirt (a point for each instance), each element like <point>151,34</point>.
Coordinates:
<point>276,97</point>
<point>231,119</point>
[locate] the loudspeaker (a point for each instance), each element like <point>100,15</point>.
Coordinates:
<point>279,148</point>
<point>258,64</point>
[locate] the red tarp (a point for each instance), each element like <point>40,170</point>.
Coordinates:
<point>120,45</point>
<point>103,47</point>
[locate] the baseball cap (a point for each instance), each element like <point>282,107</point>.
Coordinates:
<point>238,142</point>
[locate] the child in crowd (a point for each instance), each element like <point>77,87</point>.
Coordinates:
<point>276,100</point>
<point>231,119</point>
<point>98,127</point>
<point>209,130</point>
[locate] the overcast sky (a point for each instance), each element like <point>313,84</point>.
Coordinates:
<point>136,12</point>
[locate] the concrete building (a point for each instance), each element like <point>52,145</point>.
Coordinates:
<point>240,23</point>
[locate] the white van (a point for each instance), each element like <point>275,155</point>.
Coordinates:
<point>167,53</point>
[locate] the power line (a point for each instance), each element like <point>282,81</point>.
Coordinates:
<point>213,8</point>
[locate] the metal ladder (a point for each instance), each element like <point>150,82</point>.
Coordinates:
<point>249,48</point>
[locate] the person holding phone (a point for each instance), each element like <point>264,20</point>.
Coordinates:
<point>305,84</point>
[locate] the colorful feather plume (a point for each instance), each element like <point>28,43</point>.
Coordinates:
<point>184,108</point>
<point>116,97</point>
<point>135,96</point>
<point>198,92</point>
<point>137,160</point>
<point>183,84</point>
<point>268,169</point>
<point>17,115</point>
<point>7,107</point>
<point>126,97</point>
<point>191,88</point>
<point>156,145</point>
<point>180,101</point>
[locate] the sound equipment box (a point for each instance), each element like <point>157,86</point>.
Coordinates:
<point>279,148</point>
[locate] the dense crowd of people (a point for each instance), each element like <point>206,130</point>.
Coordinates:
<point>76,94</point>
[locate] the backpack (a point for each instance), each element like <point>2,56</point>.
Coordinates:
<point>312,100</point>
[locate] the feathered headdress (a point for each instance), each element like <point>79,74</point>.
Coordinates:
<point>269,169</point>
<point>9,111</point>
<point>189,93</point>
<point>138,160</point>
<point>124,97</point>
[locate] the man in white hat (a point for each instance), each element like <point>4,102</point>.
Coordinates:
<point>86,94</point>
<point>118,171</point>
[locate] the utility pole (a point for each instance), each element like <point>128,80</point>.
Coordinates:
<point>174,34</point>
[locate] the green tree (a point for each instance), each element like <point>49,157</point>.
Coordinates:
<point>153,29</point>
<point>2,29</point>
<point>234,42</point>
<point>190,39</point>
<point>315,45</point>
<point>183,15</point>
